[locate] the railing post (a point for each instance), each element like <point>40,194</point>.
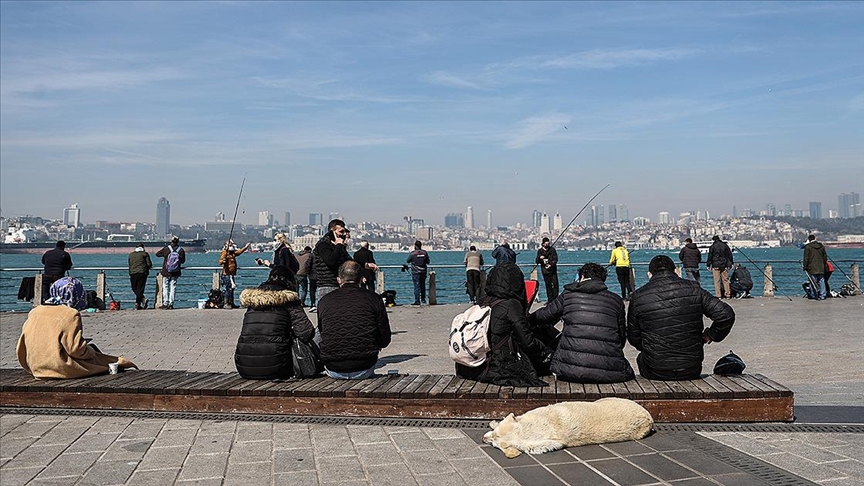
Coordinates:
<point>37,290</point>
<point>533,275</point>
<point>856,278</point>
<point>769,286</point>
<point>433,289</point>
<point>380,284</point>
<point>216,281</point>
<point>157,301</point>
<point>100,289</point>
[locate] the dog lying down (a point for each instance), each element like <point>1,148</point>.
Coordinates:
<point>570,424</point>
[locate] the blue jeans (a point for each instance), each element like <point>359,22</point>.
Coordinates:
<point>816,290</point>
<point>419,280</point>
<point>228,289</point>
<point>303,285</point>
<point>169,287</point>
<point>692,274</point>
<point>350,375</point>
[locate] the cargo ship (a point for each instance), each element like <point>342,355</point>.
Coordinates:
<point>114,244</point>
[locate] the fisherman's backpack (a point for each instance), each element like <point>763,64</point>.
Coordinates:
<point>215,299</point>
<point>847,290</point>
<point>469,341</point>
<point>173,263</point>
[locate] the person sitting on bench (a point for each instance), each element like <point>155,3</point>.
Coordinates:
<point>664,322</point>
<point>741,282</point>
<point>52,343</point>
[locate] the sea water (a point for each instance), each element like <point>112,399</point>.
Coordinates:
<point>197,278</point>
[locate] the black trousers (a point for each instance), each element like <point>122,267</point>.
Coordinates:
<point>551,281</point>
<point>139,282</point>
<point>473,277</point>
<point>667,375</point>
<point>623,274</point>
<point>47,282</point>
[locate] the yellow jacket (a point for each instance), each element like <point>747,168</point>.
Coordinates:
<point>620,257</point>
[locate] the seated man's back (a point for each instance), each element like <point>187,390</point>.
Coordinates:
<point>354,326</point>
<point>664,322</point>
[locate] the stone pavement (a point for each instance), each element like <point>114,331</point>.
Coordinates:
<point>812,347</point>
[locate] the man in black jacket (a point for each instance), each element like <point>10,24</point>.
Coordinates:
<point>330,252</point>
<point>56,263</point>
<point>741,282</point>
<point>664,322</point>
<point>547,258</point>
<point>354,327</point>
<point>690,257</point>
<point>366,259</point>
<point>719,262</point>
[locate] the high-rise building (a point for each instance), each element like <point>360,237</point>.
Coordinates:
<point>613,213</point>
<point>469,218</point>
<point>316,219</point>
<point>72,216</point>
<point>454,220</point>
<point>557,224</point>
<point>770,210</point>
<point>787,210</point>
<point>847,205</point>
<point>265,218</point>
<point>815,210</point>
<point>601,215</point>
<point>663,217</point>
<point>535,219</point>
<point>592,219</point>
<point>163,216</point>
<point>287,221</point>
<point>424,233</point>
<point>623,213</point>
<point>734,211</point>
<point>489,219</point>
<point>746,213</point>
<point>544,224</point>
<point>334,216</point>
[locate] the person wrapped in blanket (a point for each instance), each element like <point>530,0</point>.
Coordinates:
<point>52,343</point>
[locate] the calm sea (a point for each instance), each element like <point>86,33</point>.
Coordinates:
<point>450,274</point>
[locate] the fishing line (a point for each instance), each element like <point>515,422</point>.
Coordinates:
<point>236,208</point>
<point>774,286</point>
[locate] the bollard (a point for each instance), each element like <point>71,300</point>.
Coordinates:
<point>769,287</point>
<point>37,290</point>
<point>380,285</point>
<point>157,301</point>
<point>100,290</point>
<point>216,281</point>
<point>856,278</point>
<point>433,290</point>
<point>533,275</point>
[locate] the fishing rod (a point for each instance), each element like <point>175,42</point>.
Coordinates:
<point>236,208</point>
<point>774,286</point>
<point>837,267</point>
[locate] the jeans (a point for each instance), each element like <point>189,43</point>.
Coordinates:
<point>816,290</point>
<point>322,291</point>
<point>721,283</point>
<point>303,285</point>
<point>139,282</point>
<point>473,277</point>
<point>419,280</point>
<point>350,375</point>
<point>692,274</point>
<point>169,286</point>
<point>228,289</point>
<point>623,274</point>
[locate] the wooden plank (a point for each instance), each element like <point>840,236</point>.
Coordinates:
<point>381,391</point>
<point>178,387</point>
<point>464,390</point>
<point>649,391</point>
<point>592,391</point>
<point>479,390</point>
<point>442,383</point>
<point>678,390</point>
<point>492,391</point>
<point>327,390</point>
<point>233,379</point>
<point>203,386</point>
<point>371,385</point>
<point>634,390</point>
<point>520,392</point>
<point>784,392</point>
<point>620,390</point>
<point>157,381</point>
<point>125,382</point>
<point>505,392</point>
<point>562,390</point>
<point>767,390</point>
<point>536,392</point>
<point>737,390</point>
<point>340,389</point>
<point>721,390</point>
<point>577,392</point>
<point>663,389</point>
<point>450,390</point>
<point>409,389</point>
<point>707,391</point>
<point>354,391</point>
<point>310,386</point>
<point>422,391</point>
<point>753,391</point>
<point>396,390</point>
<point>605,390</point>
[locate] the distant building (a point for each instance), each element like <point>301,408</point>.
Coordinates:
<point>265,218</point>
<point>535,219</point>
<point>489,219</point>
<point>287,221</point>
<point>746,213</point>
<point>601,215</point>
<point>316,219</point>
<point>623,213</point>
<point>544,224</point>
<point>72,216</point>
<point>663,217</point>
<point>454,220</point>
<point>220,216</point>
<point>469,218</point>
<point>557,224</point>
<point>640,221</point>
<point>770,210</point>
<point>333,216</point>
<point>424,233</point>
<point>163,216</point>
<point>815,210</point>
<point>613,213</point>
<point>849,205</point>
<point>223,226</point>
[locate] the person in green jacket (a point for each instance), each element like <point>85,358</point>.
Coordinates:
<point>815,264</point>
<point>139,269</point>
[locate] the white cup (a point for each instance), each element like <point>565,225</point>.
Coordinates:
<point>113,368</point>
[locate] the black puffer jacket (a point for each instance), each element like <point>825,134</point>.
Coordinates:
<point>664,321</point>
<point>719,255</point>
<point>592,345</point>
<point>690,256</point>
<point>354,326</point>
<point>506,284</point>
<point>273,318</point>
<point>327,258</point>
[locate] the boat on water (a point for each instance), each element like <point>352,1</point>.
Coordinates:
<point>114,244</point>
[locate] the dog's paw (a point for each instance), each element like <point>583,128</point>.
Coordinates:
<point>511,452</point>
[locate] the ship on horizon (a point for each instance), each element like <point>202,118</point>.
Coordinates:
<point>20,241</point>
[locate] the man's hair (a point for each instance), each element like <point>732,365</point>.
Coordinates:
<point>418,245</point>
<point>308,248</point>
<point>715,238</point>
<point>364,244</point>
<point>809,238</point>
<point>473,248</point>
<point>334,223</point>
<point>61,244</point>
<point>593,271</point>
<point>688,240</point>
<point>618,243</point>
<point>660,263</point>
<point>349,272</point>
<point>545,240</point>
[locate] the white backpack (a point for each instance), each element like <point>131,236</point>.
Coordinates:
<point>469,342</point>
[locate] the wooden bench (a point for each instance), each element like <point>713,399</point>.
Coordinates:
<point>745,398</point>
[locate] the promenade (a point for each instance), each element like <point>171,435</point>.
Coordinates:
<point>814,348</point>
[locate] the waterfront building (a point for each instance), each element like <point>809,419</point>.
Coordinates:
<point>316,219</point>
<point>849,205</point>
<point>454,220</point>
<point>265,218</point>
<point>287,221</point>
<point>815,210</point>
<point>163,216</point>
<point>223,226</point>
<point>623,213</point>
<point>469,218</point>
<point>544,224</point>
<point>557,224</point>
<point>72,216</point>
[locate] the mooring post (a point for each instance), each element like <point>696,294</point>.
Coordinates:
<point>433,290</point>
<point>100,289</point>
<point>856,278</point>
<point>37,290</point>
<point>216,280</point>
<point>158,299</point>
<point>769,285</point>
<point>380,284</point>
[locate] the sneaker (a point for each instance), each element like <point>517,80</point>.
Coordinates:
<point>170,306</point>
<point>146,304</point>
<point>313,309</point>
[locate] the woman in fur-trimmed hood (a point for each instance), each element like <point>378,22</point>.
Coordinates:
<point>273,318</point>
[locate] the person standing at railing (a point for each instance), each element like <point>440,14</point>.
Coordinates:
<point>366,259</point>
<point>719,262</point>
<point>690,257</point>
<point>815,264</point>
<point>228,260</point>
<point>139,269</point>
<point>57,262</point>
<point>174,257</point>
<point>547,258</point>
<point>304,259</point>
<point>621,259</point>
<point>473,267</point>
<point>419,261</point>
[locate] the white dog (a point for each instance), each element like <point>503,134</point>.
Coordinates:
<point>570,424</point>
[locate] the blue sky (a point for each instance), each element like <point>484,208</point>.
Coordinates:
<point>381,110</point>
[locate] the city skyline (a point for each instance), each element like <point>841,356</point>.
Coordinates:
<point>386,110</point>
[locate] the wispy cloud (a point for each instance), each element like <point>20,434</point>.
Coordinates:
<point>613,58</point>
<point>330,89</point>
<point>537,128</point>
<point>446,79</point>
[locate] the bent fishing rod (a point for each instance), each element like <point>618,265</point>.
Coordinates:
<point>774,286</point>
<point>236,208</point>
<point>837,267</point>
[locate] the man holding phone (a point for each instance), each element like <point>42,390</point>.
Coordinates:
<point>330,252</point>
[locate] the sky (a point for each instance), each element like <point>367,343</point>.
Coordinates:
<point>380,110</point>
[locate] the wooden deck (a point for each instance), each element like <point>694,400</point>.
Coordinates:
<point>744,398</point>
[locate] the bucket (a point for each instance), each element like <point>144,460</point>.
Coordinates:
<point>202,303</point>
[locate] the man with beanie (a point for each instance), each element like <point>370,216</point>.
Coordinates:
<point>547,258</point>
<point>56,263</point>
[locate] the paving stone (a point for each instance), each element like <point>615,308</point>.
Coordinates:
<point>204,466</point>
<point>9,421</point>
<point>300,478</point>
<point>752,446</point>
<point>164,458</point>
<point>336,469</point>
<point>11,446</point>
<point>143,429</point>
<point>34,456</point>
<point>217,427</point>
<point>622,472</point>
<point>661,442</point>
<point>805,469</point>
<point>151,478</point>
<point>503,461</point>
<point>443,433</point>
<point>577,473</point>
<point>15,477</point>
<point>174,424</point>
<point>693,482</point>
<point>70,464</point>
<point>662,467</point>
<point>211,444</point>
<point>243,452</point>
<point>331,442</point>
<point>844,482</point>
<point>475,434</point>
<point>61,435</point>
<point>109,425</point>
<point>58,481</point>
<point>201,482</point>
<point>90,442</point>
<point>629,448</point>
<point>458,448</point>
<point>449,479</point>
<point>291,438</point>
<point>251,431</point>
<point>30,429</point>
<point>481,472</point>
<point>850,467</point>
<point>127,450</point>
<point>390,475</point>
<point>703,463</point>
<point>590,452</point>
<point>293,460</point>
<point>108,472</point>
<point>368,435</point>
<point>534,476</point>
<point>378,454</point>
<point>809,452</point>
<point>735,479</point>
<point>427,462</point>
<point>820,440</point>
<point>555,457</point>
<point>175,437</point>
<point>247,474</point>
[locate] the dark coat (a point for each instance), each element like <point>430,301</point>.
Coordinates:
<point>690,256</point>
<point>57,262</point>
<point>140,262</point>
<point>364,256</point>
<point>327,258</point>
<point>304,260</point>
<point>354,326</point>
<point>503,255</point>
<point>418,259</point>
<point>506,284</point>
<point>592,342</point>
<point>664,321</point>
<point>550,254</point>
<point>719,255</point>
<point>273,318</point>
<point>815,258</point>
<point>741,276</point>
<point>163,253</point>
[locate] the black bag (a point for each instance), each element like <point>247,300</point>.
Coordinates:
<point>389,297</point>
<point>215,300</point>
<point>731,364</point>
<point>306,358</point>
